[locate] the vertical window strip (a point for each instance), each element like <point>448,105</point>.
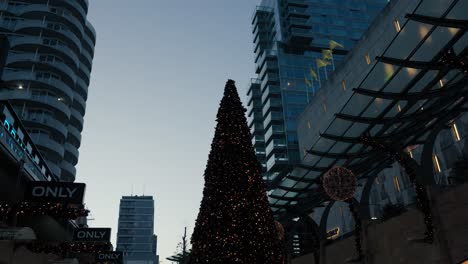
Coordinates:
<point>435,160</point>
<point>397,183</point>
<point>456,134</point>
<point>368,60</point>
<point>397,25</point>
<point>441,83</point>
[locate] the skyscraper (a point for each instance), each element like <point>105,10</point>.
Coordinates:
<point>297,44</point>
<point>47,74</point>
<point>135,235</point>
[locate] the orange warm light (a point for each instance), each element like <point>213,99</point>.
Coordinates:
<point>397,25</point>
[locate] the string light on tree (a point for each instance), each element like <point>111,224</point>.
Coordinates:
<point>235,223</point>
<point>69,248</point>
<point>410,165</point>
<point>37,209</point>
<point>340,183</point>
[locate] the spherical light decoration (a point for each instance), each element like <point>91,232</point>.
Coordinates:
<point>340,183</point>
<point>279,230</point>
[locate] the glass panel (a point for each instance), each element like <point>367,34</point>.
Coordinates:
<point>434,7</point>
<point>323,144</point>
<point>376,129</point>
<point>461,44</point>
<point>356,104</point>
<point>401,80</point>
<point>340,147</point>
<point>424,81</point>
<point>436,41</point>
<point>338,126</point>
<point>459,10</point>
<point>409,36</point>
<point>356,130</point>
<point>377,107</point>
<point>380,74</point>
<point>325,162</point>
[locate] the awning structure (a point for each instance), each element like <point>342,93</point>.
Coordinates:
<point>417,86</point>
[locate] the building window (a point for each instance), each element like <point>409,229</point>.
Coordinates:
<point>397,25</point>
<point>368,60</point>
<point>396,182</point>
<point>437,167</point>
<point>441,83</point>
<point>399,108</point>
<point>456,134</point>
<point>343,83</point>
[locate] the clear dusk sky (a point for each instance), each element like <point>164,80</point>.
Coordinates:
<point>158,75</point>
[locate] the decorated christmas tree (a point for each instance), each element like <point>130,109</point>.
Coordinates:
<point>235,223</point>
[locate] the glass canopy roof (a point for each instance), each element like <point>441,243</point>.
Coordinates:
<point>411,83</point>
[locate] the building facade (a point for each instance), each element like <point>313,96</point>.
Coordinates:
<point>379,91</point>
<point>47,74</point>
<point>135,235</point>
<point>297,44</point>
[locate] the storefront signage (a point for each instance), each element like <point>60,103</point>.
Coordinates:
<point>15,139</point>
<point>60,192</point>
<point>92,234</point>
<point>334,233</point>
<point>24,233</point>
<point>113,257</point>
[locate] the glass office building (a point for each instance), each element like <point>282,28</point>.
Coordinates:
<point>135,235</point>
<point>293,39</point>
<point>47,74</point>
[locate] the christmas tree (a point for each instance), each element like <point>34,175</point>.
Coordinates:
<point>235,223</point>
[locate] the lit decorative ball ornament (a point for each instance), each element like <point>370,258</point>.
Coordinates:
<point>340,183</point>
<point>279,230</point>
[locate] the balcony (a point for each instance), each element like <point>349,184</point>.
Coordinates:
<point>268,66</point>
<point>277,160</point>
<point>62,111</point>
<point>261,12</point>
<point>73,132</point>
<point>298,23</point>
<point>254,83</point>
<point>20,76</point>
<point>276,145</point>
<point>34,42</point>
<point>275,117</point>
<point>53,148</point>
<point>47,122</point>
<point>257,128</point>
<point>270,79</point>
<point>272,104</point>
<point>57,66</point>
<point>270,91</point>
<point>297,11</point>
<point>301,36</point>
<point>274,131</point>
<point>71,153</point>
<point>76,119</point>
<point>258,141</point>
<point>68,171</point>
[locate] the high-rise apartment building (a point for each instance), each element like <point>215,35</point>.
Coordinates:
<point>47,74</point>
<point>297,45</point>
<point>135,235</point>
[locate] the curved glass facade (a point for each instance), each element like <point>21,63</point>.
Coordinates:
<point>47,73</point>
<point>291,39</point>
